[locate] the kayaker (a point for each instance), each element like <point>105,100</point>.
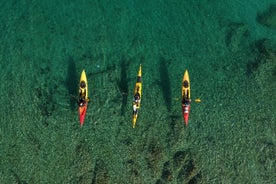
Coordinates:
<point>81,102</point>
<point>136,100</point>
<point>135,109</point>
<point>82,85</point>
<point>186,101</point>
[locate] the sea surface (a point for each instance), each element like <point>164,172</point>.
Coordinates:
<point>228,47</point>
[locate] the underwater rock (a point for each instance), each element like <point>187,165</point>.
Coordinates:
<point>155,153</point>
<point>186,170</point>
<point>264,53</point>
<point>101,175</point>
<point>258,58</point>
<point>131,167</point>
<point>127,141</point>
<point>167,174</point>
<point>268,17</point>
<point>159,181</point>
<point>262,64</point>
<point>18,179</point>
<point>83,179</point>
<point>236,36</point>
<point>181,169</point>
<point>266,158</point>
<point>34,141</point>
<point>180,157</point>
<point>196,179</point>
<point>264,47</point>
<point>82,153</point>
<point>44,69</point>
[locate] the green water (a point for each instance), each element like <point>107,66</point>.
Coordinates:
<point>227,46</point>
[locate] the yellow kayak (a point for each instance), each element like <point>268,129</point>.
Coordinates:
<point>83,97</point>
<point>186,97</point>
<point>136,103</point>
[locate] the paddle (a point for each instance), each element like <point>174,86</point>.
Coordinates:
<point>198,100</point>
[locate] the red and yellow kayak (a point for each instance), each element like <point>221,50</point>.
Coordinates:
<point>83,97</point>
<point>136,103</point>
<point>186,97</point>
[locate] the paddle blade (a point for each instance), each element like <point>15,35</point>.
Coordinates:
<point>198,100</point>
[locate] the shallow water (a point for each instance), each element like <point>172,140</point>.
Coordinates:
<point>228,48</point>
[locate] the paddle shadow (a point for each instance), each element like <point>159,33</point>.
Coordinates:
<point>165,83</point>
<point>122,84</point>
<point>72,82</point>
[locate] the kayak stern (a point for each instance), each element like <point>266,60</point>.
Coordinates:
<point>82,113</point>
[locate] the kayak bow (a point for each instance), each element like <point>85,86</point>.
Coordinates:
<point>186,97</point>
<point>137,97</point>
<point>83,97</point>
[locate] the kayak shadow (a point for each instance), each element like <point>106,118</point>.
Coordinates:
<point>165,83</point>
<point>72,82</point>
<point>122,84</point>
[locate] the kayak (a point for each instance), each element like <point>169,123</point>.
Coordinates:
<point>186,97</point>
<point>83,97</point>
<point>136,103</point>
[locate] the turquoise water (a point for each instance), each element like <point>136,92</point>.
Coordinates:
<point>227,46</point>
